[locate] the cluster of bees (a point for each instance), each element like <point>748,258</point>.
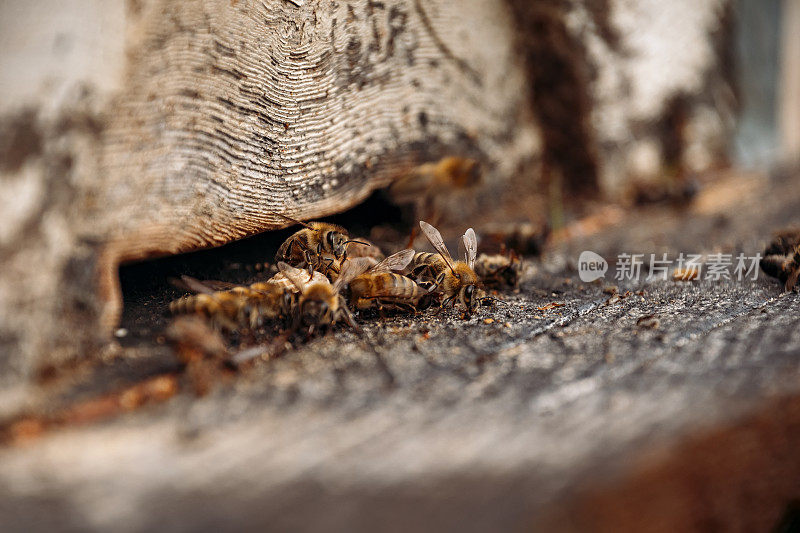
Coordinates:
<point>324,276</point>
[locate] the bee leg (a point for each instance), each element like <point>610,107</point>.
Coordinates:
<point>791,280</point>
<point>309,263</point>
<point>328,266</point>
<point>429,286</point>
<point>348,318</point>
<point>292,247</point>
<point>256,320</point>
<point>436,282</point>
<point>444,304</point>
<point>407,307</point>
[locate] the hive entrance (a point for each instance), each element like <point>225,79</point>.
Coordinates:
<point>147,289</point>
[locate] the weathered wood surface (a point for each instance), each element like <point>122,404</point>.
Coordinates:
<point>299,109</point>
<point>568,418</point>
<point>173,126</point>
<point>153,127</point>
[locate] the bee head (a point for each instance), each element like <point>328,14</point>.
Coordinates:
<point>336,243</point>
<point>310,312</point>
<point>469,296</point>
<point>315,313</point>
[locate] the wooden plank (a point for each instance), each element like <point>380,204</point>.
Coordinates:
<point>559,420</point>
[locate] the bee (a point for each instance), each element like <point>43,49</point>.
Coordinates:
<point>782,258</point>
<point>237,305</point>
<point>192,339</point>
<point>456,280</point>
<point>225,309</point>
<point>330,265</point>
<point>431,181</point>
<point>523,238</point>
<point>200,348</point>
<point>381,286</point>
<point>305,248</point>
<point>275,298</point>
<point>500,270</point>
<point>321,304</point>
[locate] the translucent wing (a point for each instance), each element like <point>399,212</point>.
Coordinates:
<point>195,285</point>
<point>295,275</point>
<point>350,269</point>
<point>435,238</point>
<point>395,262</point>
<point>470,241</point>
<point>218,285</point>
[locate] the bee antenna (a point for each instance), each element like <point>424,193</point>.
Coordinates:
<point>293,220</point>
<point>492,298</point>
<point>358,242</point>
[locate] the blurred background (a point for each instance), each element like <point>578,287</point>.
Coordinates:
<point>767,48</point>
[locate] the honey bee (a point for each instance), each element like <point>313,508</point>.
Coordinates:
<point>225,310</point>
<point>330,266</point>
<point>305,248</point>
<point>321,305</point>
<point>782,258</point>
<point>456,280</point>
<point>500,270</point>
<point>431,181</point>
<point>381,286</point>
<point>193,339</point>
<point>238,306</point>
<point>523,238</point>
<point>200,348</point>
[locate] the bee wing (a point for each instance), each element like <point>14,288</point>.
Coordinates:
<point>395,262</point>
<point>350,269</point>
<point>221,285</point>
<point>470,241</point>
<point>295,275</point>
<point>195,285</point>
<point>435,238</point>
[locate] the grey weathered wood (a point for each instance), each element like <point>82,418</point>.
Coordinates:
<point>154,127</point>
<point>570,418</point>
<point>182,125</point>
<point>235,112</point>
